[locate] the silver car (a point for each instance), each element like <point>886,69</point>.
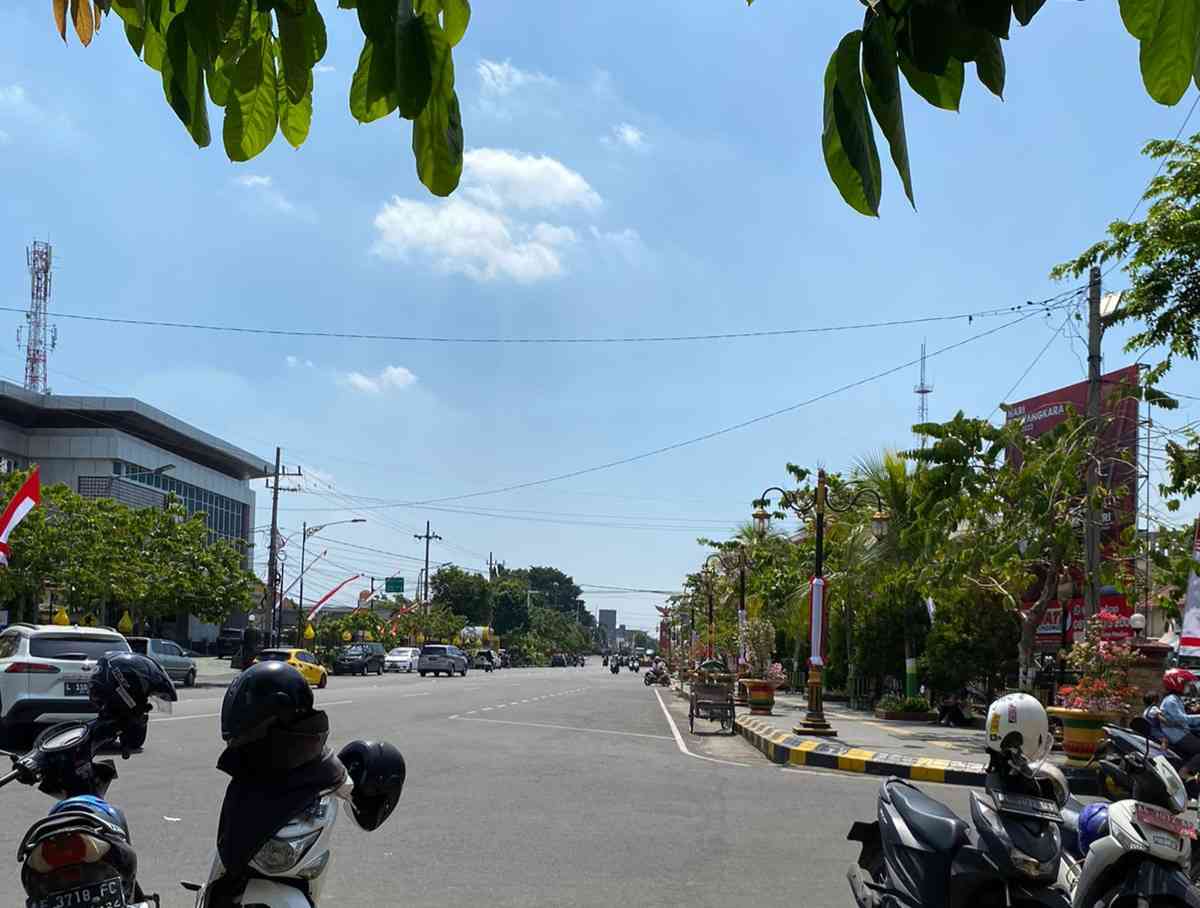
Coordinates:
<point>168,654</point>
<point>438,657</point>
<point>402,659</point>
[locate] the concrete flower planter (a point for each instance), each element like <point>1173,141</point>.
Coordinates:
<point>761,695</point>
<point>1082,731</point>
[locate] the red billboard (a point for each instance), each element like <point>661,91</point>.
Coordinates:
<point>1118,437</point>
<point>1049,632</point>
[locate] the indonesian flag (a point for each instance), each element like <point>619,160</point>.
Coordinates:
<point>27,498</point>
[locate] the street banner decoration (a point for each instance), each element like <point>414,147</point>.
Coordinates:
<point>1189,635</point>
<point>818,620</point>
<point>27,498</point>
<point>329,595</point>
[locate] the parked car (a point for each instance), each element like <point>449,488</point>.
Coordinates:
<point>360,659</point>
<point>485,660</point>
<point>558,660</point>
<point>45,672</point>
<point>229,641</point>
<point>301,660</point>
<point>170,655</point>
<point>437,658</point>
<point>402,659</point>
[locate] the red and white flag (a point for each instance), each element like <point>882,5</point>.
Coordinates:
<point>27,498</point>
<point>1189,633</point>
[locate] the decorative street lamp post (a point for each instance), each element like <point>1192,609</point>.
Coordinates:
<point>305,532</point>
<point>816,504</point>
<point>710,579</point>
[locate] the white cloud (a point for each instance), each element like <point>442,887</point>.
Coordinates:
<point>459,236</point>
<point>390,378</point>
<point>13,97</point>
<point>483,231</point>
<point>627,243</point>
<point>263,188</point>
<point>501,179</point>
<point>628,135</point>
<point>501,79</point>
<point>292,361</point>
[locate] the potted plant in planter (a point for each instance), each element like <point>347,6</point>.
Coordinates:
<point>760,682</point>
<point>904,709</point>
<point>1103,694</point>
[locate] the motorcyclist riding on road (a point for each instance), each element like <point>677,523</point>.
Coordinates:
<point>1179,727</point>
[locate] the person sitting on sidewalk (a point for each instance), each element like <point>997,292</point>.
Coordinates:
<point>1178,727</point>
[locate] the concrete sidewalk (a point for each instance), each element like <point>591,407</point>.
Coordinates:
<point>909,750</point>
<point>214,672</point>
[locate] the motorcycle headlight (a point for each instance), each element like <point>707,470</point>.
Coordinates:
<point>1128,841</point>
<point>280,854</point>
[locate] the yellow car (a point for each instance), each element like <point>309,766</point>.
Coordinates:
<point>301,660</point>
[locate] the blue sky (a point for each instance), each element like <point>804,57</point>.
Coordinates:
<point>641,171</point>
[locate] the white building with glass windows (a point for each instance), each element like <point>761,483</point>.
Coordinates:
<point>121,448</point>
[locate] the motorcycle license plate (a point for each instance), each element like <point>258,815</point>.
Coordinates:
<point>1156,816</point>
<point>1027,805</point>
<point>105,894</point>
<point>75,688</point>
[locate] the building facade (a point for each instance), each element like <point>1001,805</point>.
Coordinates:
<point>608,624</point>
<point>122,448</point>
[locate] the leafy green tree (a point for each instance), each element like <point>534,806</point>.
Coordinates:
<point>464,593</point>
<point>1005,524</point>
<point>511,613</point>
<point>929,43</point>
<point>255,59</point>
<point>973,637</point>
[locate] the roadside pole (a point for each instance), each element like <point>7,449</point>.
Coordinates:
<point>1092,529</point>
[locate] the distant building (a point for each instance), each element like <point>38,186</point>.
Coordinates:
<point>608,624</point>
<point>121,448</point>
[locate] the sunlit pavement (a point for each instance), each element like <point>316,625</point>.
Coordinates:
<point>525,787</point>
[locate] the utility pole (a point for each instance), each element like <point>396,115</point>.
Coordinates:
<point>1092,530</point>
<point>427,536</point>
<point>272,594</point>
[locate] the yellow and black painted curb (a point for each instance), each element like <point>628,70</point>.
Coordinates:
<point>797,750</point>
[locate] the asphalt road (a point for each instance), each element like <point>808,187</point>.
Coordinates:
<point>525,787</point>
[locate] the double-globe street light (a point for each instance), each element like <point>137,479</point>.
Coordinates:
<point>305,532</point>
<point>815,504</point>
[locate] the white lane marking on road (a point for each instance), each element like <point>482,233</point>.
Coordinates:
<point>486,708</point>
<point>214,715</point>
<point>500,706</point>
<point>679,738</point>
<point>598,731</point>
<point>454,717</point>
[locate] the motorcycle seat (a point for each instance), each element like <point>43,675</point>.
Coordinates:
<point>929,819</point>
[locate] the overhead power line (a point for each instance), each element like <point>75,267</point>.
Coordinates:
<point>450,339</point>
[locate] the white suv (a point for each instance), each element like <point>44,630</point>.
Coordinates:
<point>45,670</point>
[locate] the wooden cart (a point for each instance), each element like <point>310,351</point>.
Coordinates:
<point>711,698</point>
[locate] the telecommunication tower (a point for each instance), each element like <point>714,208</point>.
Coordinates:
<point>38,340</point>
<point>923,390</point>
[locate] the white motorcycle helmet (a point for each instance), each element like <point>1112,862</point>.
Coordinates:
<point>1019,720</point>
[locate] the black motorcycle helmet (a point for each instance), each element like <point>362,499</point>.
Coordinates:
<point>378,771</point>
<point>124,683</point>
<point>268,720</point>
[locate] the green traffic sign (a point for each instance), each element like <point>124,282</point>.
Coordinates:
<point>393,585</point>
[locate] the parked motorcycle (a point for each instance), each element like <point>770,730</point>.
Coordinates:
<point>1138,849</point>
<point>276,824</point>
<point>920,853</point>
<point>80,854</point>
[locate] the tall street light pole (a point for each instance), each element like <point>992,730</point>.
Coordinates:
<point>710,581</point>
<point>305,532</point>
<point>816,504</point>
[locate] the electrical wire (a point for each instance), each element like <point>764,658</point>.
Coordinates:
<point>434,339</point>
<point>1029,368</point>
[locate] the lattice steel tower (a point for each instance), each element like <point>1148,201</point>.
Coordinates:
<point>39,339</point>
<point>923,390</point>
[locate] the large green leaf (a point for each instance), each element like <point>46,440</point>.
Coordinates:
<point>438,144</point>
<point>295,56</point>
<point>930,33</point>
<point>881,79</point>
<point>848,139</point>
<point>1140,17</point>
<point>218,82</point>
<point>295,117</point>
<point>183,80</point>
<point>437,132</point>
<point>414,62</point>
<point>944,91</point>
<point>251,113</point>
<point>1168,57</point>
<point>989,66</point>
<point>373,88</point>
<point>236,21</point>
<point>377,18</point>
<point>993,15</point>
<point>1025,10</point>
<point>456,14</point>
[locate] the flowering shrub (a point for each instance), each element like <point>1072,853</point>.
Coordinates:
<point>758,636</point>
<point>776,673</point>
<point>1104,669</point>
